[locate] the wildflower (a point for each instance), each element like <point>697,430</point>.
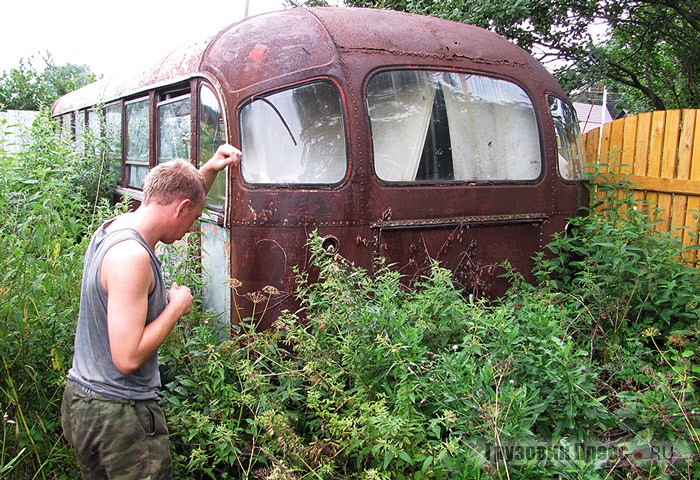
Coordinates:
<point>449,417</point>
<point>455,347</point>
<point>677,340</point>
<point>255,297</point>
<point>650,332</point>
<point>233,283</point>
<point>270,290</point>
<point>511,381</point>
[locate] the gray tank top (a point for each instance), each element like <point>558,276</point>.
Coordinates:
<point>92,361</point>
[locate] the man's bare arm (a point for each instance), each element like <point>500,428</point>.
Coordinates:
<point>128,278</point>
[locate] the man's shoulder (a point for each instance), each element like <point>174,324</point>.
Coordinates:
<point>128,248</point>
<point>127,260</point>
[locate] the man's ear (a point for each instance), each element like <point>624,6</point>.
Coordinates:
<point>182,206</point>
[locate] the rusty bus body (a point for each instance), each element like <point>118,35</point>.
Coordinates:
<point>394,135</point>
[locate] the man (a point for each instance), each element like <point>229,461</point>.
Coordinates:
<point>110,412</point>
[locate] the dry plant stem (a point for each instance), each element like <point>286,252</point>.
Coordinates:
<point>497,435</point>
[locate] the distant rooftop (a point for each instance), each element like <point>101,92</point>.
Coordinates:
<point>591,116</point>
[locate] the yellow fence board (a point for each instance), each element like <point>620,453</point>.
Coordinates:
<point>659,153</point>
<point>692,233</point>
<point>641,151</point>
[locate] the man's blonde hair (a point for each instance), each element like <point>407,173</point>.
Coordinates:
<point>173,181</point>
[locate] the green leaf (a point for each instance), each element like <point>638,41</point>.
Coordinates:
<point>405,457</point>
<point>427,463</point>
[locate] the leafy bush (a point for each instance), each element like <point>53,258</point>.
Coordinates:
<point>44,221</point>
<point>372,381</point>
<point>593,368</point>
<point>637,300</point>
<point>629,276</point>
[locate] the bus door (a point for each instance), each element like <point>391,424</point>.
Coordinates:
<point>215,234</point>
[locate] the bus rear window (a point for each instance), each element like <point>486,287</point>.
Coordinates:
<point>296,136</point>
<point>440,126</point>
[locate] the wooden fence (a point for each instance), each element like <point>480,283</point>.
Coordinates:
<point>659,153</point>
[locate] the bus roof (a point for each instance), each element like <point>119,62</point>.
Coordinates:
<point>304,41</point>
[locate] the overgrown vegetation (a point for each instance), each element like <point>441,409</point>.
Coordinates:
<point>592,372</point>
<point>47,207</point>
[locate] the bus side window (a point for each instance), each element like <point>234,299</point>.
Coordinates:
<point>67,125</point>
<point>113,134</point>
<point>174,128</point>
<point>569,147</point>
<point>136,142</point>
<point>211,135</point>
<point>95,122</point>
<point>80,131</point>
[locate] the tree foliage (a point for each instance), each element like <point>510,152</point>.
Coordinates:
<point>648,51</point>
<point>653,53</point>
<point>26,87</point>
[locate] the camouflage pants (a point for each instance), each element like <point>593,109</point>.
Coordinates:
<point>116,439</point>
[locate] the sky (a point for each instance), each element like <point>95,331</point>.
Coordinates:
<point>113,37</point>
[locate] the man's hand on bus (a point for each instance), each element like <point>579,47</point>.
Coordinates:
<point>225,156</point>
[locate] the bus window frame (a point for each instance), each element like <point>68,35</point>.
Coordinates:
<point>540,124</point>
<point>126,163</point>
<point>178,97</point>
<point>344,115</point>
<point>212,213</point>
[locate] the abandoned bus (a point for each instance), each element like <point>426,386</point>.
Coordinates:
<point>392,135</point>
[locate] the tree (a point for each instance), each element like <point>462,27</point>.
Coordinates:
<point>652,53</point>
<point>26,88</point>
<point>649,49</point>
